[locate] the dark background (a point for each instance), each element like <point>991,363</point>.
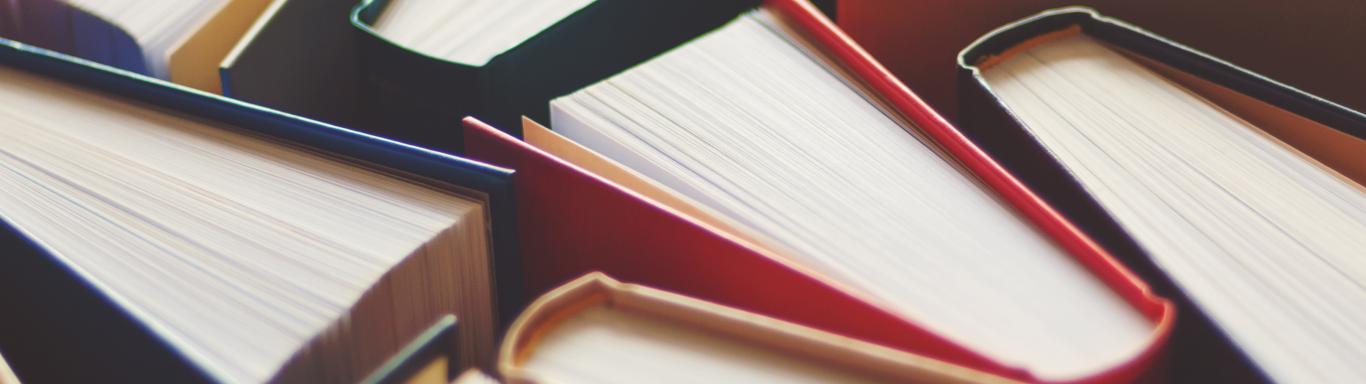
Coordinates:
<point>1315,45</point>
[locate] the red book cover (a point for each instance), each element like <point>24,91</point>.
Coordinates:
<point>573,222</point>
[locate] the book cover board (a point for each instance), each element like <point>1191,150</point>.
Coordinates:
<point>599,290</point>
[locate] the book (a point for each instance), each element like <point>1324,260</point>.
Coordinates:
<point>197,57</point>
<point>752,124</point>
<point>802,37</point>
<point>430,358</point>
<point>470,32</point>
<point>595,329</point>
<point>182,41</point>
<point>427,95</point>
<point>251,245</point>
<point>1242,191</point>
<point>7,374</point>
<point>299,57</point>
<point>326,59</point>
<point>682,251</point>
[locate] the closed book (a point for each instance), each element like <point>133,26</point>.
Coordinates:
<point>341,65</point>
<point>729,166</point>
<point>426,96</point>
<point>1310,141</point>
<point>549,185</point>
<point>63,313</point>
<point>546,183</point>
<point>183,42</point>
<point>575,221</point>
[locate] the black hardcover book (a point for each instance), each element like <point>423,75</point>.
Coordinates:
<point>1201,351</point>
<point>427,96</point>
<point>323,59</point>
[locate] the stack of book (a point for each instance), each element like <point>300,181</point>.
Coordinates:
<point>618,191</point>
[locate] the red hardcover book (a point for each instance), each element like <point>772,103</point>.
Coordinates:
<point>573,222</point>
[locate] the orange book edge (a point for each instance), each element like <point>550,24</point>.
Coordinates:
<point>837,352</point>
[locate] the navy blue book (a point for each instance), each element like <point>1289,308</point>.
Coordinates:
<point>154,233</point>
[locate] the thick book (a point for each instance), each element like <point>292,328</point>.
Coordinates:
<point>181,41</point>
<point>68,306</point>
<point>1211,181</point>
<point>583,332</point>
<point>565,243</point>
